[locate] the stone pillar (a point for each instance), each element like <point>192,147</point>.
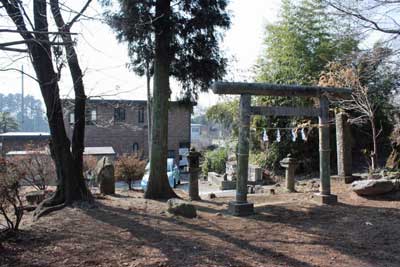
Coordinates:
<point>258,175</point>
<point>241,207</point>
<point>194,169</point>
<point>290,165</point>
<point>324,196</point>
<point>343,142</point>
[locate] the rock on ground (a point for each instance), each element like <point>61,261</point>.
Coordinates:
<point>35,197</point>
<point>372,187</point>
<point>182,208</point>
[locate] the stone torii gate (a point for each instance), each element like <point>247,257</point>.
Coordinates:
<point>241,207</point>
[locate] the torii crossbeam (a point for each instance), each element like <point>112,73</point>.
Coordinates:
<point>241,207</point>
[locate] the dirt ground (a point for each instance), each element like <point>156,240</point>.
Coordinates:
<point>287,230</point>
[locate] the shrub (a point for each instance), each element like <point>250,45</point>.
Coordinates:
<point>89,163</point>
<point>215,161</point>
<point>38,167</point>
<point>269,156</point>
<point>11,206</point>
<point>89,166</point>
<point>258,158</point>
<point>129,168</point>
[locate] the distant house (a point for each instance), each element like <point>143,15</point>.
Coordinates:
<point>205,135</point>
<point>20,141</point>
<point>195,132</point>
<point>122,125</point>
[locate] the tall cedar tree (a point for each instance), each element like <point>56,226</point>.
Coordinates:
<point>71,186</point>
<point>180,38</point>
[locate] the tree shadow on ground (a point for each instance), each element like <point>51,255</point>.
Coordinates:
<point>17,241</point>
<point>362,232</point>
<point>393,196</point>
<point>205,253</point>
<point>211,202</point>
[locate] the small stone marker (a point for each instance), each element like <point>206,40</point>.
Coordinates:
<point>290,165</point>
<point>105,176</point>
<point>182,208</point>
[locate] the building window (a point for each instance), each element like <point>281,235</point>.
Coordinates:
<point>171,154</point>
<point>196,130</point>
<point>71,118</point>
<point>141,115</point>
<point>119,114</point>
<point>135,148</point>
<point>90,116</point>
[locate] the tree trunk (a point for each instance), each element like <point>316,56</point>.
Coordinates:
<point>71,186</point>
<point>374,154</point>
<point>149,104</point>
<point>78,136</point>
<point>130,184</point>
<point>158,185</point>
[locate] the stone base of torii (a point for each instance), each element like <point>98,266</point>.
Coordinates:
<point>241,207</point>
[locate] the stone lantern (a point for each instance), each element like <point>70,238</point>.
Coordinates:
<point>194,169</point>
<point>290,164</point>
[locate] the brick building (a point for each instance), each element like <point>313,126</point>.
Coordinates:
<point>122,125</point>
<point>18,141</point>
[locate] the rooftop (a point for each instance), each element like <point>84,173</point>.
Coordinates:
<point>99,150</point>
<point>24,134</point>
<point>28,152</point>
<point>106,150</point>
<point>128,102</point>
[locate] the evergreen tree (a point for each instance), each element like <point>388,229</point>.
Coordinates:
<point>302,42</point>
<point>180,38</point>
<point>34,115</point>
<point>7,123</point>
<point>195,27</point>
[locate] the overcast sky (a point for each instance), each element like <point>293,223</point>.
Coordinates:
<point>103,59</point>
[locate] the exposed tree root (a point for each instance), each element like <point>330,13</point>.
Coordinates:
<point>58,202</point>
<point>42,210</point>
<point>56,199</point>
<point>167,193</point>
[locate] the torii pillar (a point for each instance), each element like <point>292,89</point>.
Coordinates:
<point>241,207</point>
<point>344,146</point>
<point>324,196</point>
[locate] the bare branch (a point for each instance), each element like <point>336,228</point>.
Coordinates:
<point>18,50</point>
<point>77,16</point>
<point>14,69</point>
<point>32,40</point>
<point>19,31</point>
<point>375,25</point>
<point>15,14</point>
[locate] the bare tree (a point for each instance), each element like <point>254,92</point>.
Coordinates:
<point>370,90</point>
<point>379,15</point>
<point>71,186</point>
